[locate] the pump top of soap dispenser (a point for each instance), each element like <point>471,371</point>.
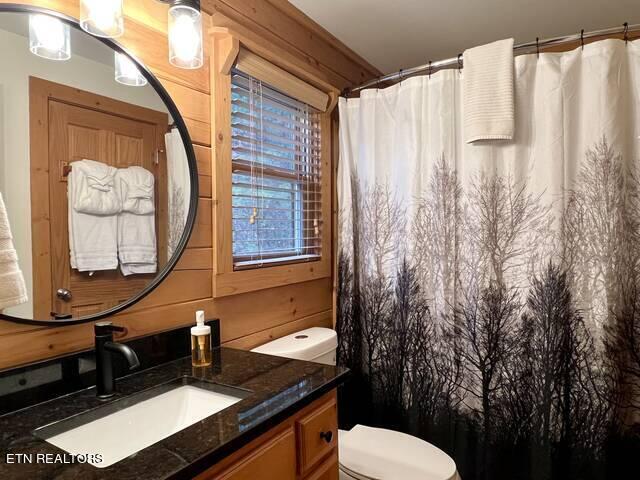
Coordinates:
<point>200,328</point>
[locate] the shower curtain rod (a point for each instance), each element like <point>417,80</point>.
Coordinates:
<point>521,49</point>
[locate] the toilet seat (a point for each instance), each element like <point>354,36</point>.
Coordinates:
<point>368,453</point>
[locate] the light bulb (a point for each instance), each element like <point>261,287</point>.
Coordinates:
<point>102,18</point>
<point>127,71</point>
<point>185,37</point>
<point>49,37</point>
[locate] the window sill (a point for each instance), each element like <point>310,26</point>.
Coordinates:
<point>273,262</point>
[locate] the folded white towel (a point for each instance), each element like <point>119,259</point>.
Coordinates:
<point>95,191</point>
<point>487,84</point>
<point>12,287</point>
<point>93,204</point>
<point>137,249</point>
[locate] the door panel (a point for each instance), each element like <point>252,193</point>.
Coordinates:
<point>129,151</point>
<point>276,459</point>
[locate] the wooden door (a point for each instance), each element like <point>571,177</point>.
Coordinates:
<point>78,130</point>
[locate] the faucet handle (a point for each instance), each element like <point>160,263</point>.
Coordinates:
<point>105,328</point>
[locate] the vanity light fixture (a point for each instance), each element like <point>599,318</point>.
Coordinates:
<point>127,72</point>
<point>185,33</point>
<point>102,18</point>
<point>49,37</point>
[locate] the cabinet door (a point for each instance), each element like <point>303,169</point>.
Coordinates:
<point>317,435</point>
<point>328,470</point>
<point>274,459</point>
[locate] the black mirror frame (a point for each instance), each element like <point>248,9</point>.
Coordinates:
<point>193,174</point>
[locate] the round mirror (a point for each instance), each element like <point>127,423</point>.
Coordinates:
<point>98,179</point>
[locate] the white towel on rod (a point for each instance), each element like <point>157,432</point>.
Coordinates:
<point>487,88</point>
<point>93,205</point>
<point>137,248</point>
<point>13,290</point>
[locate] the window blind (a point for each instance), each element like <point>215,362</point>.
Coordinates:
<point>257,67</point>
<point>276,187</point>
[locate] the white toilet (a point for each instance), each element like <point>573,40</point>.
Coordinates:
<point>367,453</point>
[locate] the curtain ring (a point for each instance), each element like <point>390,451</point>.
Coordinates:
<point>626,32</point>
<point>400,76</point>
<point>460,63</point>
<point>378,84</point>
<point>538,47</point>
<point>429,68</point>
<point>582,39</point>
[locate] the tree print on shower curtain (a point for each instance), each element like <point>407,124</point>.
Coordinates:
<point>476,333</point>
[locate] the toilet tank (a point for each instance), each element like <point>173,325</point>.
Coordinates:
<point>314,344</point>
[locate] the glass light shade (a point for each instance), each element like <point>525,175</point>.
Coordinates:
<point>127,71</point>
<point>49,37</point>
<point>102,18</point>
<point>185,37</point>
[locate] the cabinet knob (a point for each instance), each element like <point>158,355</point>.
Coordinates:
<point>327,436</point>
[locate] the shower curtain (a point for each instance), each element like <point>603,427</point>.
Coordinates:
<point>179,188</point>
<point>488,294</point>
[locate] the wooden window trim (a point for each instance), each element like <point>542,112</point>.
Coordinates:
<point>226,280</point>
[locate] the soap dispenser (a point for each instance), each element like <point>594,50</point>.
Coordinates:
<point>200,342</point>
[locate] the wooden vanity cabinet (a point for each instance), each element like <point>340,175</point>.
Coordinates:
<point>327,470</point>
<point>303,447</point>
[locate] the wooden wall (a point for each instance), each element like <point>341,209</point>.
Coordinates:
<point>247,319</point>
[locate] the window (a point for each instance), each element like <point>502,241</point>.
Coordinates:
<point>276,179</point>
<point>271,180</point>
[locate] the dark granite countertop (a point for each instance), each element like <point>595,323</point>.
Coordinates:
<point>278,388</point>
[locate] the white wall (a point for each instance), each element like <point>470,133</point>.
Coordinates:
<point>17,65</point>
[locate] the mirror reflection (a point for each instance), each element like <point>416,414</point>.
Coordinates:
<point>94,180</point>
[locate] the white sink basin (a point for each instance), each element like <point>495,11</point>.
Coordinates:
<point>129,430</point>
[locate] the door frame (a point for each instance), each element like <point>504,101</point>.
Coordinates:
<point>41,92</point>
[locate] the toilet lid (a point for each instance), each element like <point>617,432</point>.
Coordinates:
<point>303,345</point>
<point>382,454</point>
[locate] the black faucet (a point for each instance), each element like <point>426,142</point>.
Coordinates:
<point>105,346</point>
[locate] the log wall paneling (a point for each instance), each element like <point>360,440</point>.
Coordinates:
<point>248,319</point>
<point>246,315</point>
